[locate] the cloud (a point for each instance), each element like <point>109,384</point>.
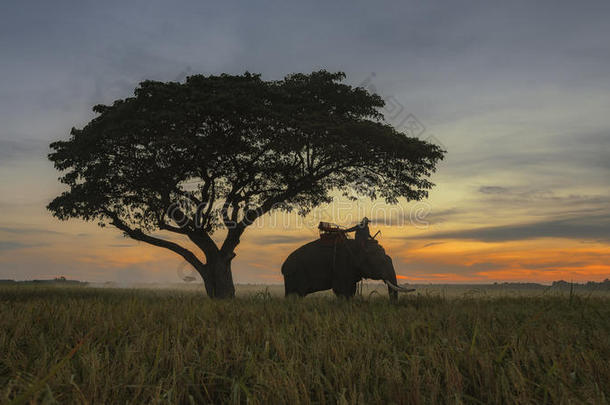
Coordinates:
<point>28,231</point>
<point>575,265</point>
<point>6,245</point>
<point>588,149</point>
<point>279,239</point>
<point>413,214</point>
<point>577,158</point>
<point>433,244</point>
<point>11,149</point>
<point>591,228</point>
<point>493,190</point>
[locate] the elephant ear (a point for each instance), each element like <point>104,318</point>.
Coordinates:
<point>375,252</point>
<point>374,260</point>
<point>376,249</point>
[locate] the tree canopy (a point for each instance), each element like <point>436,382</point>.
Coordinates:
<point>220,151</point>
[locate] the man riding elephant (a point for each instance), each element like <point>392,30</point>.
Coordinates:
<point>363,234</point>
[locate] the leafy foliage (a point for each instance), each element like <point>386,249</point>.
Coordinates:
<point>236,142</point>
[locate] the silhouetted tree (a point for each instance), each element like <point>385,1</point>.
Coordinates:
<point>217,152</point>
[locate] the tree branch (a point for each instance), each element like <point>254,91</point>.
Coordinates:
<point>137,234</point>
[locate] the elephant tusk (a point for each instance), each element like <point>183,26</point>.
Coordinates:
<point>398,288</point>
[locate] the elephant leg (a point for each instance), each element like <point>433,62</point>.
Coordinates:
<point>341,294</point>
<point>291,287</point>
<point>346,291</point>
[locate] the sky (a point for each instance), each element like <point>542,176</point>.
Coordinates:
<point>518,93</point>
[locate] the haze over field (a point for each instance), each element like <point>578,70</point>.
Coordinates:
<point>517,95</point>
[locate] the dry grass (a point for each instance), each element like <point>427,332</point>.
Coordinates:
<point>87,345</point>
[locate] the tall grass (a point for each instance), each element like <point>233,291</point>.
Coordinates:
<point>85,345</point>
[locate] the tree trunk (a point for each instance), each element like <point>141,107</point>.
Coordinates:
<point>219,279</point>
<point>207,280</point>
<point>216,273</point>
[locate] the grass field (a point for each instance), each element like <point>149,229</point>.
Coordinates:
<point>93,345</point>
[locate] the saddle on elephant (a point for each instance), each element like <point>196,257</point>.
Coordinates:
<point>331,233</point>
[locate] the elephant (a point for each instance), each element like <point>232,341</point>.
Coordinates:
<point>337,263</point>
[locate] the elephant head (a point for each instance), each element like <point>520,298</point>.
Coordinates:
<point>378,266</point>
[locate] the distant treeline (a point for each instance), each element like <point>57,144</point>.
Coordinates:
<point>56,280</point>
<point>602,285</point>
<point>561,284</point>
